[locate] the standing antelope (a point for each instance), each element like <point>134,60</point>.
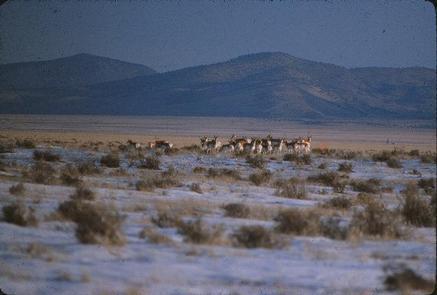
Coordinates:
<point>209,144</point>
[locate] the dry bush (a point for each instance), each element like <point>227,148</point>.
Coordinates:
<point>260,177</point>
<point>152,182</point>
<point>330,178</point>
<point>414,153</point>
<point>377,221</point>
<point>347,155</point>
<point>88,168</point>
<point>17,189</point>
<point>185,207</point>
<point>256,161</point>
<point>364,199</point>
<point>236,210</point>
<point>19,214</point>
<point>151,162</point>
<point>297,159</point>
<point>45,156</point>
<point>154,237</point>
<point>41,172</point>
<point>70,175</point>
<point>96,223</point>
<point>6,147</point>
<point>199,169</point>
<point>110,160</point>
<point>37,250</point>
<point>199,233</point>
<point>256,236</point>
<point>383,156</point>
<point>428,158</point>
<point>415,210</point>
<point>224,172</point>
<point>170,172</point>
<point>194,148</point>
<point>166,219</point>
<point>323,151</point>
<point>83,193</point>
<point>322,166</point>
<point>330,227</point>
<point>404,279</point>
<point>195,187</point>
<point>371,186</point>
<point>341,202</point>
<point>428,185</point>
<point>292,189</point>
<point>394,163</point>
<point>345,167</point>
<point>299,222</point>
<point>25,143</point>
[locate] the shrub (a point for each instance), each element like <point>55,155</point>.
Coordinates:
<point>236,210</point>
<point>166,219</point>
<point>17,189</point>
<point>199,169</point>
<point>428,158</point>
<point>170,172</point>
<point>195,187</point>
<point>338,203</point>
<point>364,199</point>
<point>154,236</point>
<point>25,143</point>
<point>376,220</point>
<point>382,156</point>
<point>323,151</point>
<point>84,194</point>
<point>394,163</point>
<point>323,166</point>
<point>260,177</point>
<point>70,175</point>
<point>255,236</point>
<point>110,160</point>
<point>45,156</point>
<point>405,279</point>
<point>150,183</point>
<point>428,185</point>
<point>197,232</point>
<point>19,214</point>
<point>414,153</point>
<point>151,162</point>
<point>330,178</point>
<point>193,148</point>
<point>345,167</point>
<point>88,168</point>
<point>347,155</point>
<point>256,161</point>
<point>292,189</point>
<point>331,228</point>
<point>299,222</point>
<point>299,160</point>
<point>224,172</point>
<point>6,148</point>
<point>42,172</point>
<point>371,185</point>
<point>415,210</point>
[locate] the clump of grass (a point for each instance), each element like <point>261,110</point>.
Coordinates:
<point>19,214</point>
<point>383,156</point>
<point>45,156</point>
<point>95,223</point>
<point>364,199</point>
<point>292,189</point>
<point>323,151</point>
<point>428,185</point>
<point>199,170</point>
<point>17,189</point>
<point>84,194</point>
<point>197,232</point>
<point>394,163</point>
<point>345,167</point>
<point>224,172</point>
<point>166,219</point>
<point>371,186</point>
<point>6,147</point>
<point>152,182</point>
<point>260,177</point>
<point>415,210</point>
<point>347,155</point>
<point>405,279</point>
<point>88,168</point>
<point>330,178</point>
<point>299,222</point>
<point>428,158</point>
<point>41,172</point>
<point>70,175</point>
<point>194,148</point>
<point>376,220</point>
<point>414,153</point>
<point>154,237</point>
<point>331,227</point>
<point>25,143</point>
<point>151,162</point>
<point>110,160</point>
<point>236,210</point>
<point>299,160</point>
<point>341,202</point>
<point>255,236</point>
<point>322,166</point>
<point>256,161</point>
<point>195,187</point>
<point>170,172</point>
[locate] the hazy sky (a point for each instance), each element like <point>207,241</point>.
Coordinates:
<point>167,35</point>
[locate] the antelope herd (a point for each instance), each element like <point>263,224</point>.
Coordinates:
<point>255,145</point>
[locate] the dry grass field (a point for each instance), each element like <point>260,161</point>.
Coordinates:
<point>84,213</point>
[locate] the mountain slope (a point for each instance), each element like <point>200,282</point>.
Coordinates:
<point>266,85</point>
<point>73,71</point>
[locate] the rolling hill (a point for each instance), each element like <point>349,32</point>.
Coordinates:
<point>265,85</point>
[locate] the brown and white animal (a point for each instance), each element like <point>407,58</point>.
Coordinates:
<point>277,144</point>
<point>133,144</point>
<point>227,148</point>
<point>160,144</point>
<point>209,144</point>
<point>241,143</point>
<point>257,146</point>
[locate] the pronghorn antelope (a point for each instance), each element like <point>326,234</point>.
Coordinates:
<point>276,143</point>
<point>160,144</point>
<point>240,144</point>
<point>131,143</point>
<point>209,144</point>
<point>257,146</point>
<point>227,148</point>
<point>267,145</point>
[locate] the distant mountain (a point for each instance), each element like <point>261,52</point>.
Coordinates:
<point>265,85</point>
<point>73,71</point>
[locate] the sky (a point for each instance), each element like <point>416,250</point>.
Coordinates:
<point>169,35</point>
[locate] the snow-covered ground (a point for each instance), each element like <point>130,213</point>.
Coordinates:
<point>306,265</point>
